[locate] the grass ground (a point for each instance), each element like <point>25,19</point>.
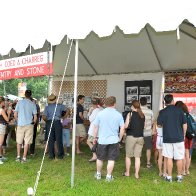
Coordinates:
<point>55,178</point>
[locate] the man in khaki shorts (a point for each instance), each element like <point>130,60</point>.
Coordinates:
<point>174,124</point>
<point>80,129</point>
<point>26,116</point>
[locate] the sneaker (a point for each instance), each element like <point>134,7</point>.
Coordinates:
<point>1,162</point>
<point>179,179</point>
<point>18,159</point>
<point>109,179</point>
<point>168,179</point>
<point>3,158</point>
<point>23,160</point>
<point>98,176</point>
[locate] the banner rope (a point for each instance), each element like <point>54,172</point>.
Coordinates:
<point>40,170</point>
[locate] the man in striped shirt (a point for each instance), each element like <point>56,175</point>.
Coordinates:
<point>148,129</point>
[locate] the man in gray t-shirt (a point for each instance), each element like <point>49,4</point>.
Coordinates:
<point>147,130</point>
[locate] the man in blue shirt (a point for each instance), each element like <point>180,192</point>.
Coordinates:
<point>26,116</point>
<point>174,125</point>
<point>56,129</point>
<point>106,129</point>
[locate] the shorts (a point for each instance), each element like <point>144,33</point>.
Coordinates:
<point>159,143</point>
<point>80,130</point>
<point>133,146</point>
<point>24,133</point>
<point>148,142</point>
<point>108,152</point>
<point>188,143</point>
<point>90,138</point>
<point>2,129</point>
<point>174,150</point>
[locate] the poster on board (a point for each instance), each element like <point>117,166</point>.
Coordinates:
<point>134,90</point>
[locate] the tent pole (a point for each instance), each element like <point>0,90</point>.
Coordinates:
<point>50,77</point>
<point>74,115</point>
<point>50,81</point>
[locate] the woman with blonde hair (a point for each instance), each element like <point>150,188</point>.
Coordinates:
<point>4,119</point>
<point>134,125</point>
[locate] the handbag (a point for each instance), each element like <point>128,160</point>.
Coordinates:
<point>94,148</point>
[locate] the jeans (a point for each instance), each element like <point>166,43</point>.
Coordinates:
<point>32,146</point>
<point>55,135</point>
<point>66,137</point>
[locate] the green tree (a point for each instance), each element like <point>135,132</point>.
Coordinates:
<point>38,86</point>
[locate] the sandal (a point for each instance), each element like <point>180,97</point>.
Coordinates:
<point>149,166</point>
<point>137,177</point>
<point>160,174</point>
<point>92,160</point>
<point>183,173</point>
<point>123,174</point>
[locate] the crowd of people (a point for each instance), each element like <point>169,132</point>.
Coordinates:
<point>170,135</point>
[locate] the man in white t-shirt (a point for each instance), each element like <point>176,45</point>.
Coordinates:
<point>147,130</point>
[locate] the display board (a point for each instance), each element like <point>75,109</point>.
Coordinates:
<point>134,90</point>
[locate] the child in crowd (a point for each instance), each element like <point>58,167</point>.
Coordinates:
<point>67,126</point>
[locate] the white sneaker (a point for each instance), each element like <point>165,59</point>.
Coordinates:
<point>109,179</point>
<point>179,179</point>
<point>1,162</point>
<point>98,176</point>
<point>3,158</point>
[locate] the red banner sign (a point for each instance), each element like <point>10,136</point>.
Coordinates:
<point>26,66</point>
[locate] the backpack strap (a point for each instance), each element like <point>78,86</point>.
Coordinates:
<point>130,113</point>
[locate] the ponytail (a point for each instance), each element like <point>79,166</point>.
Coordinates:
<point>141,114</point>
<point>136,105</point>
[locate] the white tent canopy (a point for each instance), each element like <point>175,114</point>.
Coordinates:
<point>147,51</point>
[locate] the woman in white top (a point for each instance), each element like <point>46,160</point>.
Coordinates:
<point>96,109</point>
<point>159,146</point>
<point>4,119</point>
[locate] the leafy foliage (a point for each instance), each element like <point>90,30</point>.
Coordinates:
<point>38,86</point>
